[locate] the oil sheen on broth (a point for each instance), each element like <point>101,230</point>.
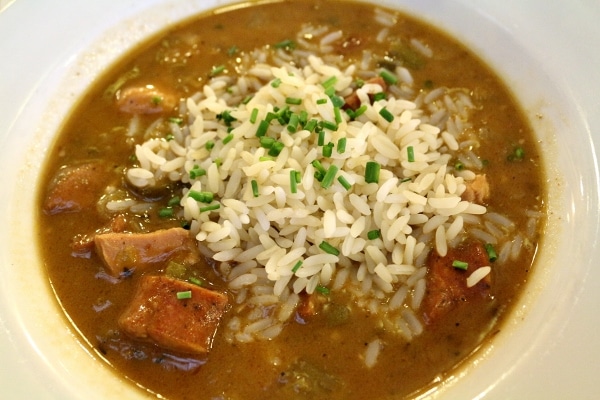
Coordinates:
<point>320,354</point>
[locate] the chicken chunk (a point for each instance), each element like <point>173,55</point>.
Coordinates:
<point>122,252</point>
<point>447,286</point>
<point>478,190</point>
<point>144,100</point>
<point>186,325</point>
<point>82,245</point>
<point>76,187</point>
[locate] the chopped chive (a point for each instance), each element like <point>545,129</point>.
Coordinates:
<point>263,127</point>
<point>338,115</point>
<point>519,152</point>
<point>197,172</point>
<point>410,153</point>
<point>293,123</point>
<point>218,161</point>
<point>328,150</point>
<point>360,111</point>
<point>405,180</point>
<point>359,83</point>
<point>194,194</point>
<point>270,117</point>
<point>311,125</point>
<point>303,117</point>
<point>337,101</point>
<point>209,145</point>
<point>297,266</point>
<point>227,117</point>
<point>388,77</point>
<point>207,197</point>
<point>156,100</point>
<point>491,252</point>
<point>166,212</point>
<point>332,126</point>
<point>374,234</point>
<point>195,281</point>
<point>517,155</point>
<point>319,176</point>
<point>282,112</point>
<point>459,166</point>
<point>276,149</point>
<point>254,185</point>
<point>276,83</point>
<point>322,101</point>
<point>254,115</point>
<point>386,114</point>
<point>184,295</point>
<point>321,139</point>
<point>329,82</point>
<point>460,265</point>
<point>265,158</point>
<point>295,101</point>
<point>232,50</point>
<point>329,176</point>
<point>176,120</point>
<point>211,207</point>
<point>372,172</point>
<point>293,183</point>
<point>169,137</point>
<point>329,249</point>
<point>297,176</point>
<point>174,201</point>
<point>247,99</point>
<point>350,113</point>
<point>318,166</point>
<point>341,145</point>
<point>217,70</point>
<point>344,182</point>
<point>228,138</point>
<point>323,290</point>
<point>202,197</point>
<point>379,96</point>
<point>266,142</point>
<point>287,44</point>
<point>330,91</point>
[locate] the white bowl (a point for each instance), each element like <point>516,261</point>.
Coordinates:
<point>547,53</point>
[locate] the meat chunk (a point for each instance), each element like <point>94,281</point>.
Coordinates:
<point>309,306</point>
<point>353,102</point>
<point>76,187</point>
<point>447,285</point>
<point>82,245</point>
<point>185,325</point>
<point>144,100</point>
<point>478,190</point>
<point>122,252</point>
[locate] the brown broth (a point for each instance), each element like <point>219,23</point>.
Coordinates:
<point>259,370</point>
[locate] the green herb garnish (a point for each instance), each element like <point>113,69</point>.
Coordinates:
<point>184,295</point>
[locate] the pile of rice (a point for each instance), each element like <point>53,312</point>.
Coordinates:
<point>258,239</point>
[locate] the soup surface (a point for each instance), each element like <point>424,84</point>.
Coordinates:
<point>377,303</point>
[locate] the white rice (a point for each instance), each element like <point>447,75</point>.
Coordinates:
<point>478,275</point>
<point>372,352</point>
<point>269,245</point>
